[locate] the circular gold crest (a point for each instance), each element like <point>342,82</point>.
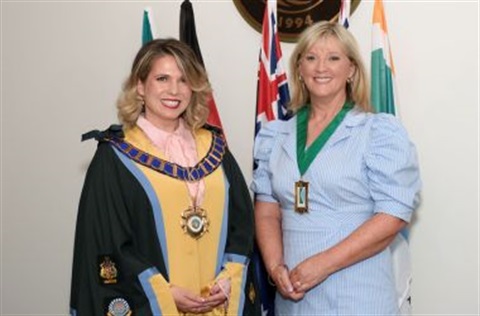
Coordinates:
<point>293,15</point>
<point>195,222</point>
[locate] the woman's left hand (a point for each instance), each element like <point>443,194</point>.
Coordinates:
<point>308,274</point>
<point>219,294</point>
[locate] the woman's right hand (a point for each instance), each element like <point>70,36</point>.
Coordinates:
<point>187,302</point>
<point>280,275</point>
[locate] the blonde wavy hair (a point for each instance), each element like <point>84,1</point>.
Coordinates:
<point>130,104</point>
<point>358,89</point>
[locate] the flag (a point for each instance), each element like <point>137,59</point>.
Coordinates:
<point>382,69</point>
<point>384,100</point>
<point>272,99</point>
<point>188,35</point>
<point>272,85</point>
<point>148,29</point>
<point>344,14</point>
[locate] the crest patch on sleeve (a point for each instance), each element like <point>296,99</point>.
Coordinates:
<point>107,270</point>
<point>118,306</point>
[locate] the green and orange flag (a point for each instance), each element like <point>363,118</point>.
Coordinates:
<point>382,69</point>
<point>384,99</point>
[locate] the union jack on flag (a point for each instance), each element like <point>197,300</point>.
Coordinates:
<point>272,88</point>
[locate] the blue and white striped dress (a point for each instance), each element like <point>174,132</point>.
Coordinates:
<point>367,166</point>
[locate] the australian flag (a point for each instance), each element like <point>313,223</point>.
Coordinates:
<point>272,99</point>
<point>272,88</point>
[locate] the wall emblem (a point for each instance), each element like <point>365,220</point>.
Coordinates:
<point>293,15</point>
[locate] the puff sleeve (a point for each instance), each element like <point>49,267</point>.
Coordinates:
<point>393,173</point>
<point>265,141</point>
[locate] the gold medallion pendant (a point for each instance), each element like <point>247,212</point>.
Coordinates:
<point>195,221</point>
<point>301,197</point>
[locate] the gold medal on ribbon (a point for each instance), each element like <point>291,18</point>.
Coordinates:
<point>195,221</point>
<point>301,197</point>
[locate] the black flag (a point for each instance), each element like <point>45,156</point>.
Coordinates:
<point>188,35</point>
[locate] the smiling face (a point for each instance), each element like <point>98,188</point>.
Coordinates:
<point>166,93</point>
<point>325,69</point>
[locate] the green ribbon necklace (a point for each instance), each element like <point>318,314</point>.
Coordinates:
<point>305,157</point>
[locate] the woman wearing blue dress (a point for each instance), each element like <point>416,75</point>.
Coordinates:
<point>334,186</point>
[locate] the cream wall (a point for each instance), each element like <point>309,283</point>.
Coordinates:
<point>62,65</point>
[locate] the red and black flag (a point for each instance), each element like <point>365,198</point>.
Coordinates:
<point>188,35</point>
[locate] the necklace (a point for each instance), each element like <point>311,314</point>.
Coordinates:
<point>194,220</point>
<point>305,157</point>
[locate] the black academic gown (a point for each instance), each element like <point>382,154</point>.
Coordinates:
<point>116,242</point>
